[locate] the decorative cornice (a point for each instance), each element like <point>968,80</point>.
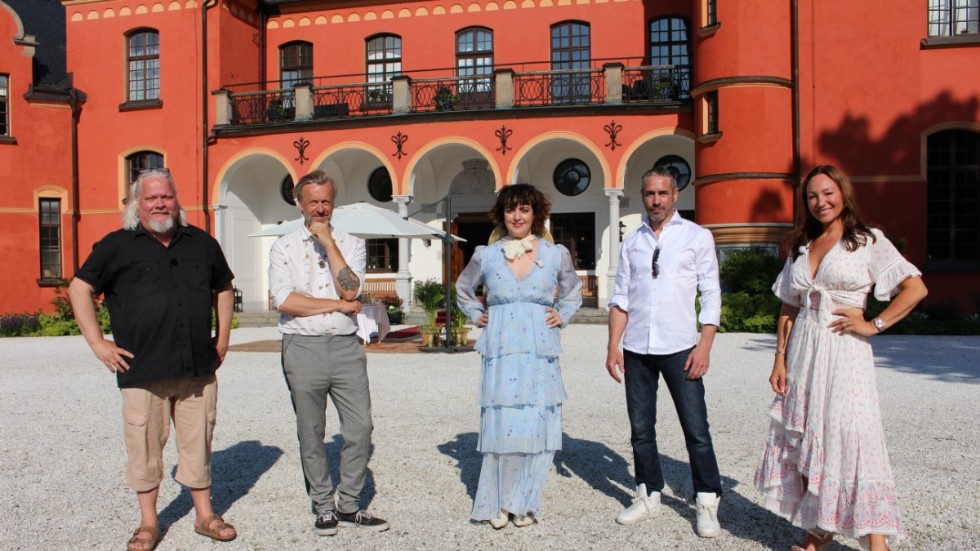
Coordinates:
<point>730,176</point>
<point>749,234</point>
<point>755,81</point>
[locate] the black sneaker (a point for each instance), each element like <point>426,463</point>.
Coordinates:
<point>362,519</point>
<point>326,523</point>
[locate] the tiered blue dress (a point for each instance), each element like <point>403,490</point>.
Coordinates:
<point>521,391</point>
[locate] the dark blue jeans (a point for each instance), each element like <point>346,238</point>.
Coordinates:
<point>643,373</point>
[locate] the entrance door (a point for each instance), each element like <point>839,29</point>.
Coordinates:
<point>475,228</point>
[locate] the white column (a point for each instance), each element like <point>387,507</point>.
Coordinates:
<point>403,279</point>
<point>219,224</point>
<point>613,195</point>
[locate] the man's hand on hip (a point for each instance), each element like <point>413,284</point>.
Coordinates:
<point>111,355</point>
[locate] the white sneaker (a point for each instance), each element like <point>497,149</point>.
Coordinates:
<point>645,506</point>
<point>707,504</point>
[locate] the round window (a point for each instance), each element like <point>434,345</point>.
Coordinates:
<point>680,168</point>
<point>379,185</point>
<point>286,189</point>
<point>572,177</point>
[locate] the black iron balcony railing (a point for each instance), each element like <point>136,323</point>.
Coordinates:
<point>650,84</point>
<point>351,100</point>
<point>331,98</point>
<point>452,94</point>
<point>263,107</point>
<point>545,88</point>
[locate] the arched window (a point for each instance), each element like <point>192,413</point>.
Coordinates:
<point>571,48</point>
<point>384,61</point>
<point>474,58</point>
<point>143,64</point>
<point>677,165</point>
<point>295,63</point>
<point>670,45</point>
<point>954,200</point>
<point>142,160</point>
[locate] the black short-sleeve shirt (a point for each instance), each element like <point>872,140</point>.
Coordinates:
<point>159,300</point>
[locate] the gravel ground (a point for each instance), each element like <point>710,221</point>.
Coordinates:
<point>63,479</point>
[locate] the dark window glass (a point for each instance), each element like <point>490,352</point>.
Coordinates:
<point>382,255</point>
<point>954,17</point>
<point>576,231</point>
<point>572,177</point>
<point>571,48</point>
<point>669,45</point>
<point>379,185</point>
<point>680,168</point>
<point>953,238</point>
<point>474,58</point>
<point>142,160</point>
<point>143,61</point>
<point>710,13</point>
<point>4,105</point>
<point>711,112</point>
<point>286,190</point>
<point>295,64</point>
<point>49,214</point>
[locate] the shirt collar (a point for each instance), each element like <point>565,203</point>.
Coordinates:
<point>675,220</point>
<point>181,231</point>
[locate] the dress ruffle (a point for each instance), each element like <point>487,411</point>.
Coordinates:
<point>886,286</point>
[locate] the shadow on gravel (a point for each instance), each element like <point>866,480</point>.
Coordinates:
<point>234,471</point>
<point>469,461</point>
<point>332,449</point>
<point>598,465</point>
<point>948,359</point>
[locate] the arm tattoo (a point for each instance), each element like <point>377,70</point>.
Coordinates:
<point>347,280</point>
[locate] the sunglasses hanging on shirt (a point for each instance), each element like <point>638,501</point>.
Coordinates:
<point>656,267</point>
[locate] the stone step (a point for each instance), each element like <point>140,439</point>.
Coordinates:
<point>414,317</point>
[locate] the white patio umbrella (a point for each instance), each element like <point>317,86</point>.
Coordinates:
<point>367,222</point>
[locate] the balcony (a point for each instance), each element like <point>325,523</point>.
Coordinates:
<point>612,85</point>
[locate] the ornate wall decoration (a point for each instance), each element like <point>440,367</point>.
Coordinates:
<point>399,140</point>
<point>502,135</point>
<point>613,130</point>
<point>301,146</point>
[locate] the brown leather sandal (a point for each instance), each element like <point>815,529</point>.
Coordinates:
<point>820,539</point>
<point>204,528</point>
<point>137,540</point>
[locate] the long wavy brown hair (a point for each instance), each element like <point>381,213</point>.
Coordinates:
<point>808,228</point>
<point>522,194</point>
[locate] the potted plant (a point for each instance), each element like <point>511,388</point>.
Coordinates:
<point>430,295</point>
<point>445,99</point>
<point>393,306</point>
<point>459,331</point>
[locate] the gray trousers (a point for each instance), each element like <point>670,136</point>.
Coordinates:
<point>334,365</point>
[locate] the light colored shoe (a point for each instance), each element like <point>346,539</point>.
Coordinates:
<point>524,520</point>
<point>501,521</point>
<point>707,504</point>
<point>645,506</point>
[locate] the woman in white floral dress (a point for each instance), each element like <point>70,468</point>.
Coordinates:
<point>825,467</point>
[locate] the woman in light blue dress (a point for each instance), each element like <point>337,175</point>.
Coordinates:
<point>521,391</point>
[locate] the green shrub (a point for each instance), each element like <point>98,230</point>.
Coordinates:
<point>743,312</point>
<point>751,271</point>
<point>18,325</point>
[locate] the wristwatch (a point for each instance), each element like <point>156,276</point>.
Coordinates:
<point>879,324</point>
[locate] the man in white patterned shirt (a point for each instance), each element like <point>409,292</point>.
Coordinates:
<point>315,276</point>
<point>662,266</point>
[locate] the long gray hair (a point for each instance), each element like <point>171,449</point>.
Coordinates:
<point>131,216</point>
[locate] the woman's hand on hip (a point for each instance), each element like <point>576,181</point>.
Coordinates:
<point>551,318</point>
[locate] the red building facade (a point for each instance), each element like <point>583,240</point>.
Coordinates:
<point>408,104</point>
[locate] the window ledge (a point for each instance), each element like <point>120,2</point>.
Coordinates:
<point>8,140</point>
<point>51,282</point>
<point>963,40</point>
<point>709,30</point>
<point>140,105</point>
<point>709,138</point>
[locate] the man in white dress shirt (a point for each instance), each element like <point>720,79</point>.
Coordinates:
<point>662,265</point>
<point>315,276</point>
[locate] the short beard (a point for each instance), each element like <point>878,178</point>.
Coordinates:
<point>162,227</point>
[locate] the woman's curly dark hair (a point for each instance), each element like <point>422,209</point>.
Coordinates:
<point>512,196</point>
<point>808,228</point>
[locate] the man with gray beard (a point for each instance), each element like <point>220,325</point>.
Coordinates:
<point>160,277</point>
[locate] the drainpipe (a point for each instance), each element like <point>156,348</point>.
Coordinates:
<point>795,48</point>
<point>205,183</point>
<point>76,112</point>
